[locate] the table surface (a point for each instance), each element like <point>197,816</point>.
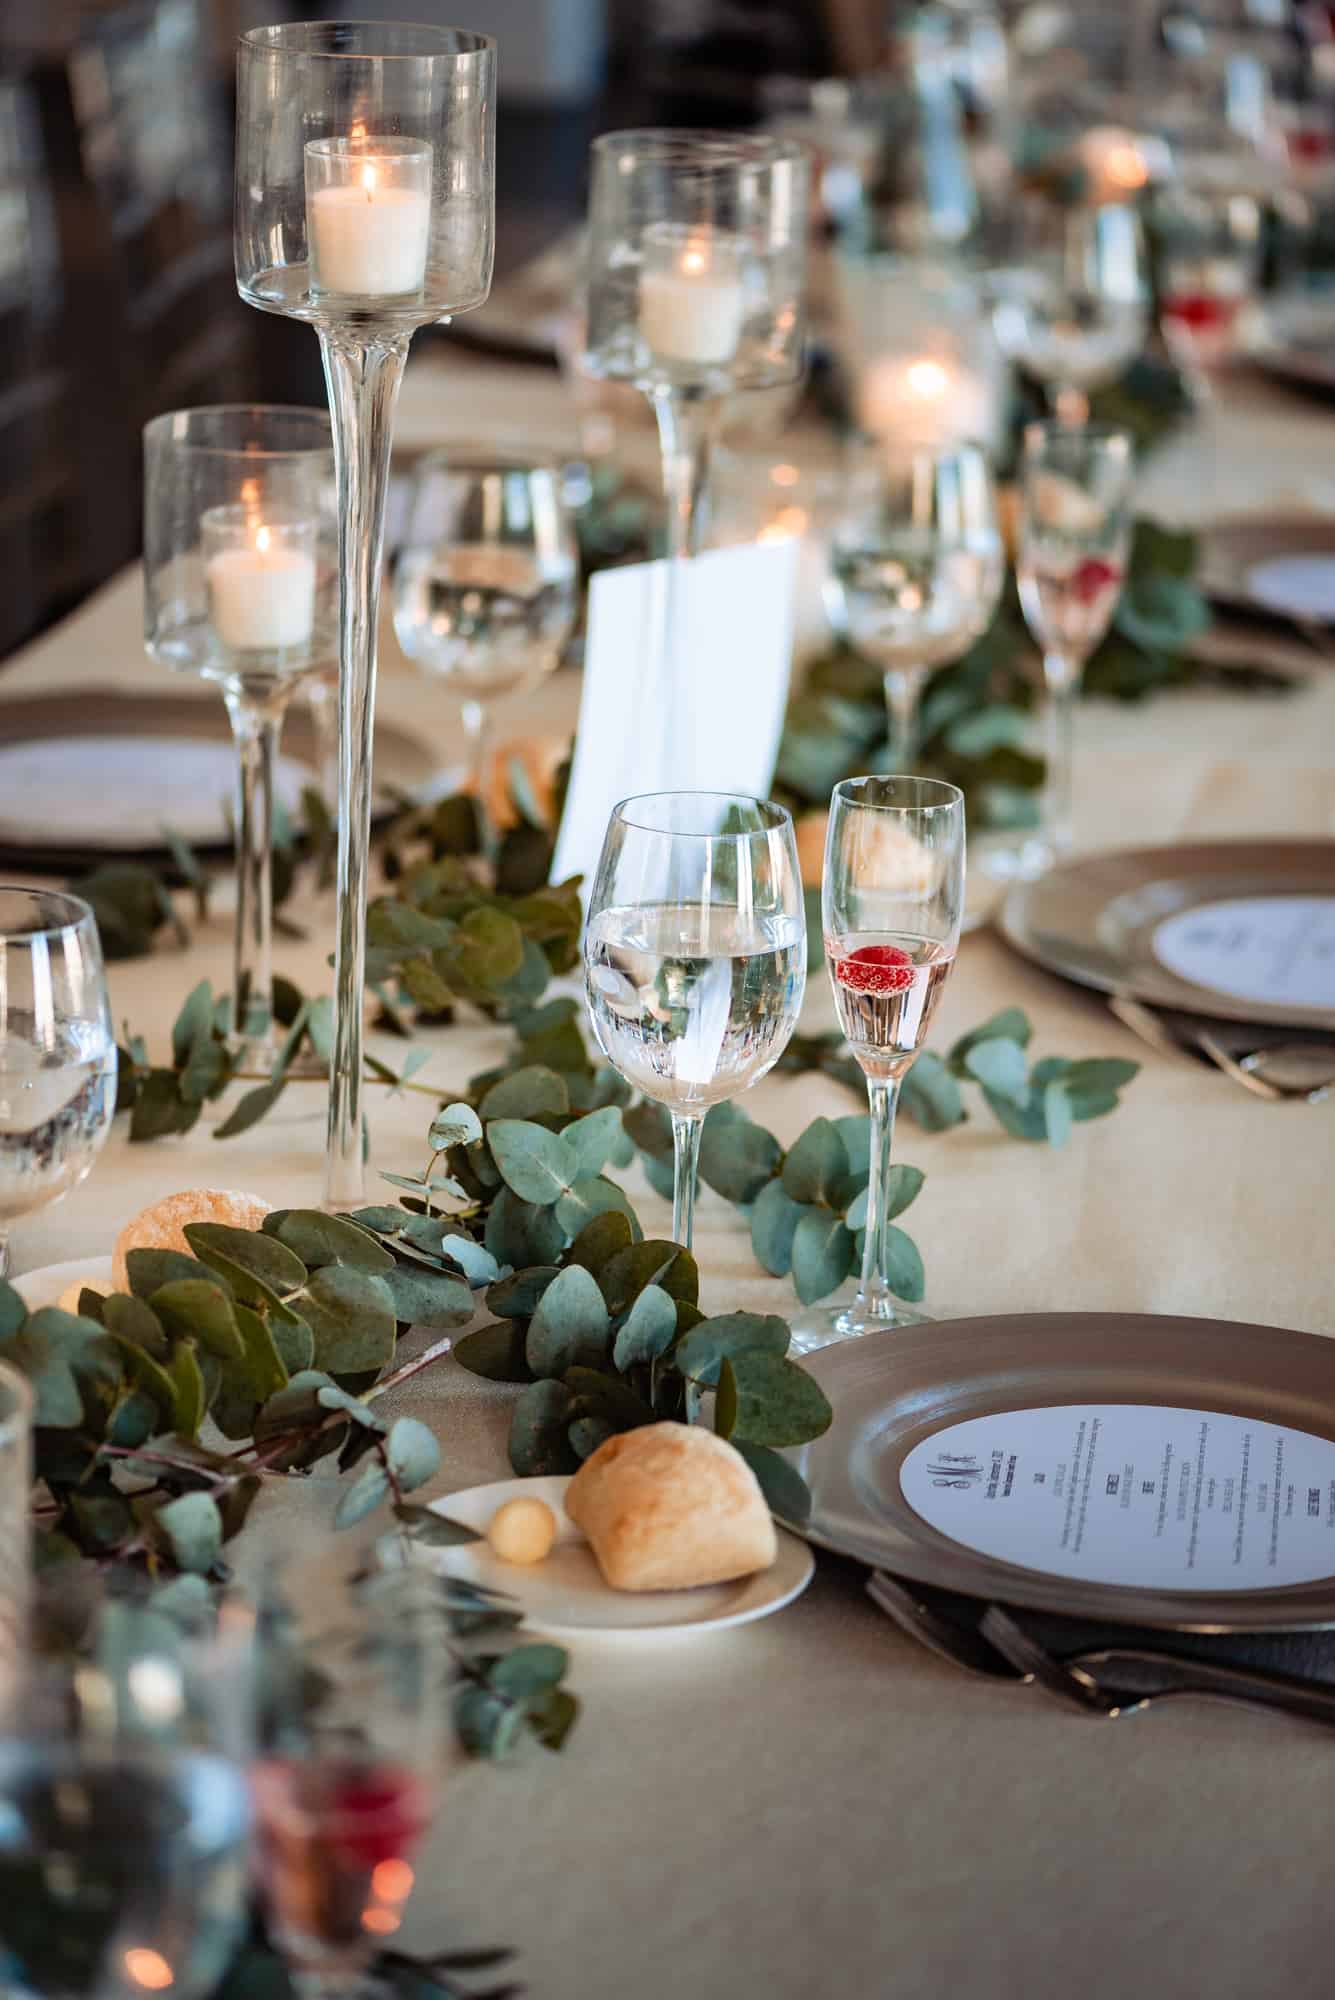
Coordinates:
<point>811,1804</point>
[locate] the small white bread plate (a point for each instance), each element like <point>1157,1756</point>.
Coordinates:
<point>44,1287</point>
<point>566,1593</point>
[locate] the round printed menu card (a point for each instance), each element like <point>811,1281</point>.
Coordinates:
<point>1133,1493</point>
<point>1278,949</point>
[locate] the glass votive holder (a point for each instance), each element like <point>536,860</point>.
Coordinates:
<point>368,215</point>
<point>260,572</point>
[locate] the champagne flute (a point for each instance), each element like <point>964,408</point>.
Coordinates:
<point>486,580</point>
<point>57,1051</point>
<point>1076,313</point>
<point>695,956</point>
<point>1075,535</point>
<point>347,1782</point>
<point>892,898</point>
<point>125,1814</point>
<point>916,569</point>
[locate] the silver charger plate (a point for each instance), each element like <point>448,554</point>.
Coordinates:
<point>1093,919</point>
<point>1295,341</point>
<point>1279,566</point>
<point>891,1391</point>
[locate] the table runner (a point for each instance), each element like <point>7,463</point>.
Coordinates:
<point>811,1805</point>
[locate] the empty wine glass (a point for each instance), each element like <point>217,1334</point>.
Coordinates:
<point>916,568</point>
<point>347,1782</point>
<point>1075,313</point>
<point>1075,535</point>
<point>891,900</point>
<point>486,580</point>
<point>695,956</point>
<point>57,1051</point>
<point>125,1816</point>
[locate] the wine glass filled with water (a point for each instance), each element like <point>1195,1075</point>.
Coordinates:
<point>1075,536</point>
<point>125,1815</point>
<point>891,900</point>
<point>1075,311</point>
<point>57,1051</point>
<point>916,568</point>
<point>486,580</point>
<point>695,955</point>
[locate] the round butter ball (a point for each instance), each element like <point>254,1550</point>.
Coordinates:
<point>522,1531</point>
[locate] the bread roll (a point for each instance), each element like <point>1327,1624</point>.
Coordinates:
<point>161,1226</point>
<point>671,1506</point>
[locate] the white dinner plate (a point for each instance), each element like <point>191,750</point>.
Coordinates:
<point>567,1595</point>
<point>1300,586</point>
<point>101,791</point>
<point>44,1287</point>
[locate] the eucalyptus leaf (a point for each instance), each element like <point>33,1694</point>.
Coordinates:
<point>429,1298</point>
<point>903,1265</point>
<point>473,1259</point>
<point>248,1250</point>
<point>367,1491</point>
<point>1026,1120</point>
<point>456,1125</point>
<point>1056,1113</point>
<point>786,1492</point>
<point>413,1453</point>
<point>823,1252</point>
<point>261,1372</point>
<point>13,1310</point>
<point>535,1164</point>
<point>539,1443</point>
<point>317,1240</point>
<point>526,1093</point>
<point>517,1296</point>
<point>699,1353</point>
<point>496,1352</point>
<point>149,1270</point>
<point>570,1325</point>
<point>193,1531</point>
<point>528,1670</point>
<point>352,1317</point>
<point>520,1233</point>
<point>135,1320</point>
<point>202,1308</point>
<point>193,1024</point>
<point>249,1110</point>
<point>774,1219</point>
<point>725,1400</point>
<point>188,1385</point>
<point>598,1393</point>
<point>1012,1024</point>
<point>778,1403</point>
<point>591,1139</point>
<point>930,1095</point>
<point>816,1164</point>
<point>588,1198</point>
<point>587,1433</point>
<point>293,1339</point>
<point>737,1156</point>
<point>654,1262</point>
<point>648,1330</point>
<point>433,1530</point>
<point>903,1185</point>
<point>999,1065</point>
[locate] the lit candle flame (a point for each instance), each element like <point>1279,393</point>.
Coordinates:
<point>149,1969</point>
<point>262,539</point>
<point>927,380</point>
<point>693,262</point>
<point>368,181</point>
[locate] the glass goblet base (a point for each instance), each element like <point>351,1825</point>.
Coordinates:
<point>828,1325</point>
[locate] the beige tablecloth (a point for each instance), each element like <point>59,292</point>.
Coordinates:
<point>812,1806</point>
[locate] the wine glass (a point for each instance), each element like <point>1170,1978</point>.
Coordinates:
<point>125,1814</point>
<point>241,588</point>
<point>892,898</point>
<point>486,580</point>
<point>1076,313</point>
<point>346,1785</point>
<point>57,1051</point>
<point>1075,535</point>
<point>695,956</point>
<point>1209,243</point>
<point>916,568</point>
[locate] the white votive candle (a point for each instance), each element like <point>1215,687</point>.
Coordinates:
<point>261,582</point>
<point>692,294</point>
<point>368,215</point>
<point>923,399</point>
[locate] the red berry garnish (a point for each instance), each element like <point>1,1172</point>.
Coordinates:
<point>376,1816</point>
<point>1093,576</point>
<point>875,968</point>
<point>1200,311</point>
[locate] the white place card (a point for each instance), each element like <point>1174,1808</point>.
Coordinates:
<point>710,724</point>
<point>1127,1493</point>
<point>1279,949</point>
<point>1300,586</point>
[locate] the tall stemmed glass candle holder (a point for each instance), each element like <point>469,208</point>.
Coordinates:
<point>365,197</point>
<point>696,289</point>
<point>892,899</point>
<point>695,956</point>
<point>240,587</point>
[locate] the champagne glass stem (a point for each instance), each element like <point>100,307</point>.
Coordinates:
<point>474,716</point>
<point>903,687</point>
<point>686,1126</point>
<point>1063,681</point>
<point>875,1297</point>
<point>257,722</point>
<point>1070,405</point>
<point>321,692</point>
<point>5,1260</point>
<point>363,376</point>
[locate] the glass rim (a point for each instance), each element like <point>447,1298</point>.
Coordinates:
<point>730,149</point>
<point>950,797</point>
<point>285,38</point>
<point>81,912</point>
<point>779,815</point>
<point>1044,430</point>
<point>159,426</point>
